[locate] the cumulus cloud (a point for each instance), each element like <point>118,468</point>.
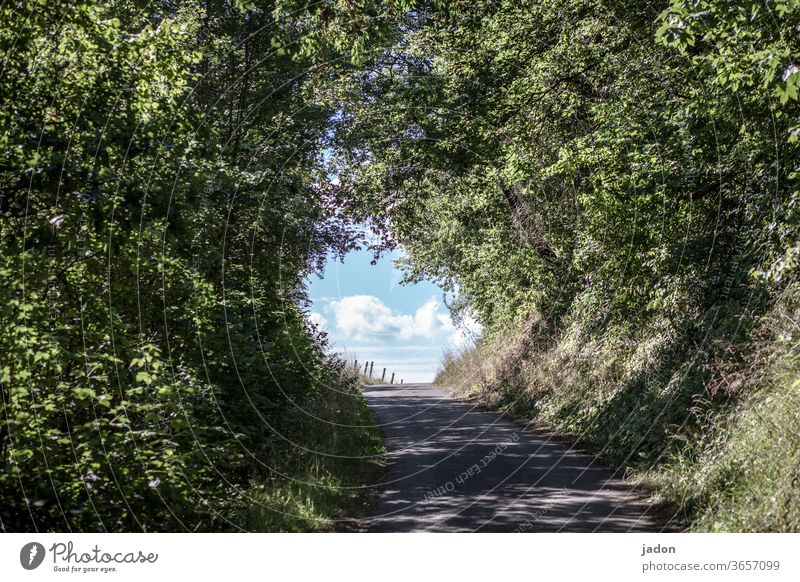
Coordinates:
<point>465,333</point>
<point>318,320</point>
<point>362,317</point>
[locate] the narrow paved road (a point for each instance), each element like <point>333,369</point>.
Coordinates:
<point>456,469</point>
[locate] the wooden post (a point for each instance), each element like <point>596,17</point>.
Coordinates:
<point>370,368</point>
<point>383,376</point>
<point>366,365</point>
<point>392,380</point>
<point>401,380</point>
<point>355,365</point>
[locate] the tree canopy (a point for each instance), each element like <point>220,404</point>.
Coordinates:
<point>165,190</point>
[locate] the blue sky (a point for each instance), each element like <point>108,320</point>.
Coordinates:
<point>370,316</point>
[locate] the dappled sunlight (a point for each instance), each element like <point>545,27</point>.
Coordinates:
<point>438,480</point>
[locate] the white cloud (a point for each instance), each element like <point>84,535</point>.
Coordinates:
<point>466,333</point>
<point>318,320</point>
<point>362,317</point>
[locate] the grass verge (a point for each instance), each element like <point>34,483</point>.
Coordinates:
<point>320,481</point>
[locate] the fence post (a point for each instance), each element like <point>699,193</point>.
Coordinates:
<point>392,380</point>
<point>383,376</point>
<point>355,365</point>
<point>366,365</point>
<point>401,380</point>
<point>370,368</point>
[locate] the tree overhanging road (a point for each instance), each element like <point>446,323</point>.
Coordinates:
<point>456,469</point>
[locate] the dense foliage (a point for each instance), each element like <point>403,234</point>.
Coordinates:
<point>163,200</point>
<point>617,182</point>
<point>529,155</point>
<point>610,188</point>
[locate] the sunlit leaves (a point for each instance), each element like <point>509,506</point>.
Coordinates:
<point>160,209</point>
<point>529,154</point>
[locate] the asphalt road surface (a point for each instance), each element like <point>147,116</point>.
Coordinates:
<point>456,469</point>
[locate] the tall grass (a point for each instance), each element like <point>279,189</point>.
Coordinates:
<point>336,456</point>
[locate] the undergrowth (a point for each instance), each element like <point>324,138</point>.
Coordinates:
<point>324,473</point>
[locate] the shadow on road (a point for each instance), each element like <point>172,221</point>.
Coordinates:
<point>455,469</point>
